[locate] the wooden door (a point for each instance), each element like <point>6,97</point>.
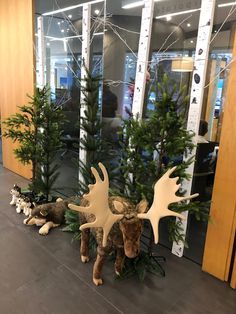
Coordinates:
<point>219,247</point>
<point>16,67</point>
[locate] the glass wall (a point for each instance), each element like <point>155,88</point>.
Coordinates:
<point>114,49</point>
<point>120,56</point>
<point>59,53</point>
<point>61,58</point>
<point>169,55</point>
<point>220,58</point>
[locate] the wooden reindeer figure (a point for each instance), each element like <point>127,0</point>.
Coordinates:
<point>117,223</point>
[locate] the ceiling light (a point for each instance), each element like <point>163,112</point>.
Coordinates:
<point>62,30</point>
<point>191,41</point>
<point>188,25</point>
<point>80,36</point>
<point>226,4</point>
<point>177,13</point>
<point>71,7</point>
<point>135,4</point>
<point>70,16</point>
<point>48,44</point>
<point>168,18</point>
<point>97,12</point>
<point>64,44</point>
<point>75,36</point>
<point>65,39</point>
<point>54,38</point>
<point>59,23</point>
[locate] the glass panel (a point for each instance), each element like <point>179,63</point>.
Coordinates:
<point>220,57</point>
<point>120,57</point>
<point>167,52</point>
<point>114,48</point>
<point>62,57</point>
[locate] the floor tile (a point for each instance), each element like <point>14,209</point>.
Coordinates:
<point>57,292</point>
<point>21,260</point>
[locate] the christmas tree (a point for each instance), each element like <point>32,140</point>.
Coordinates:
<point>50,141</point>
<point>91,123</point>
<point>37,129</point>
<point>153,145</point>
<point>97,148</point>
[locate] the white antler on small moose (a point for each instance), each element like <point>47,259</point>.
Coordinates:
<point>164,195</point>
<point>98,205</point>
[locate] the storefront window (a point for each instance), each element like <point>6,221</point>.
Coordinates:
<point>220,58</point>
<point>60,51</point>
<point>113,53</point>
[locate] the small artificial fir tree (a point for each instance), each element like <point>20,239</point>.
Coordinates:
<point>153,145</point>
<point>50,142</point>
<point>37,129</point>
<point>97,148</point>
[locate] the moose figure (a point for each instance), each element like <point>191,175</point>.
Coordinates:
<point>117,223</point>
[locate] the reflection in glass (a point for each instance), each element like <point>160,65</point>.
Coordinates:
<point>62,58</point>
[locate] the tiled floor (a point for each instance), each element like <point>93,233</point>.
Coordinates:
<point>44,275</point>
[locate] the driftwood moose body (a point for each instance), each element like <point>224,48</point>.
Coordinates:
<point>117,223</point>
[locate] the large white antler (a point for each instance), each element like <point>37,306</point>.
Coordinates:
<point>164,195</point>
<point>98,204</point>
